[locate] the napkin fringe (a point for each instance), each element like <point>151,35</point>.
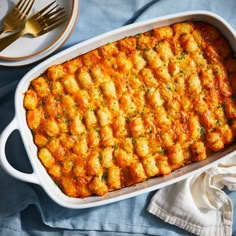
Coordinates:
<point>221,230</point>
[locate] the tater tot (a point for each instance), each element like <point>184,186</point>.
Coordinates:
<point>140,107</point>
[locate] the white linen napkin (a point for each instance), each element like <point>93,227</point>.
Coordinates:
<point>198,203</point>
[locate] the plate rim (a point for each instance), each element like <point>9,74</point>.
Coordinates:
<point>73,10</point>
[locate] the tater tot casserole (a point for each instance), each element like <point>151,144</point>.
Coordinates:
<point>134,109</point>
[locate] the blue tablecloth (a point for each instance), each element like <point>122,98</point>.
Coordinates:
<point>24,208</point>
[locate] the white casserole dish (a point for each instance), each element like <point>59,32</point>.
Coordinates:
<point>40,176</point>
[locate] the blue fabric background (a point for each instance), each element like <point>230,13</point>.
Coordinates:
<point>24,208</point>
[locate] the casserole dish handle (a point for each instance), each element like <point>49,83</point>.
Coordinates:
<point>32,178</point>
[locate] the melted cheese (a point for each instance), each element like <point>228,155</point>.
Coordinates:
<point>133,109</point>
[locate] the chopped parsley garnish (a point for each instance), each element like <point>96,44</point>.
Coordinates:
<point>163,151</point>
<point>169,87</point>
<point>104,176</point>
<point>202,131</point>
<point>221,105</point>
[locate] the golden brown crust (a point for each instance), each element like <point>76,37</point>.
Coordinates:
<point>133,109</point>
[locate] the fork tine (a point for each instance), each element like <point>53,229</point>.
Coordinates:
<point>58,11</point>
<point>18,7</point>
<point>28,8</point>
<point>39,14</point>
<point>22,5</point>
<point>51,27</point>
<point>25,9</point>
<point>49,12</point>
<point>51,15</point>
<point>21,8</point>
<point>46,14</point>
<point>19,3</point>
<point>54,20</point>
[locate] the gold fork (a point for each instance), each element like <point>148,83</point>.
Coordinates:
<point>15,19</point>
<point>42,22</point>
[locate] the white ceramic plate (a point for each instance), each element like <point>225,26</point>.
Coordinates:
<point>40,175</point>
<point>27,50</point>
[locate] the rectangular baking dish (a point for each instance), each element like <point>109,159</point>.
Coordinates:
<point>40,176</point>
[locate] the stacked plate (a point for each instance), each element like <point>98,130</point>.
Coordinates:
<point>27,49</point>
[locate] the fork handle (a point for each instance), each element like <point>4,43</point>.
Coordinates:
<point>6,41</point>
